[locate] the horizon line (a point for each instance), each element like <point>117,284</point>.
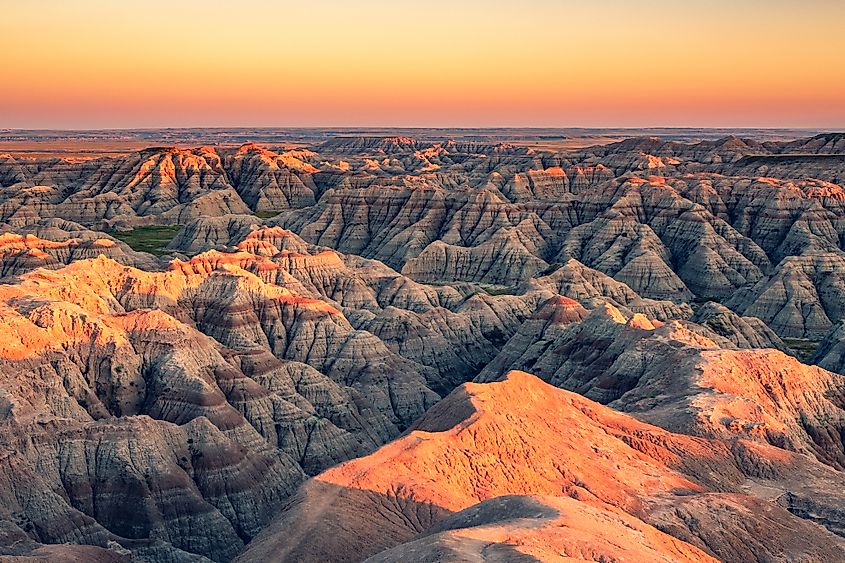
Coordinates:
<point>439,127</point>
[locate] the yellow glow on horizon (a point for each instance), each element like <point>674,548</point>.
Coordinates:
<point>95,63</point>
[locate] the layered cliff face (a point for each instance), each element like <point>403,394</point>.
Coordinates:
<point>505,259</point>
<point>220,299</point>
<point>249,354</point>
<point>229,390</point>
<point>453,330</point>
<point>801,298</point>
<point>830,353</point>
<point>55,243</point>
<point>682,376</point>
<point>169,183</point>
<point>667,238</point>
<point>820,155</point>
<point>671,220</point>
<point>574,280</point>
<point>477,470</point>
<point>205,404</point>
<point>744,332</point>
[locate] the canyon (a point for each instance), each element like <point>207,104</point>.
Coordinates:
<point>425,347</point>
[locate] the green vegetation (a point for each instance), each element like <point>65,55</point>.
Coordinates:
<point>153,239</point>
<point>436,283</point>
<point>486,288</point>
<point>498,289</point>
<point>266,214</point>
<point>802,347</point>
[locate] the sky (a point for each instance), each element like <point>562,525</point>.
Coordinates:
<point>90,64</point>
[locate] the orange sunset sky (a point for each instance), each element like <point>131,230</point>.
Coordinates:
<point>602,63</point>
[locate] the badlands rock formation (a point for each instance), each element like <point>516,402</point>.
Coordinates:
<point>167,182</point>
<point>206,363</point>
<point>744,332</point>
<point>831,351</point>
<point>801,298</point>
<point>587,285</point>
<point>271,387</point>
<point>669,219</point>
<point>476,472</point>
<point>54,243</point>
<point>681,376</point>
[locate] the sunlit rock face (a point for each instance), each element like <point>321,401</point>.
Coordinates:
<point>526,469</point>
<point>171,184</point>
<point>682,376</point>
<point>53,243</point>
<point>205,362</point>
<point>407,348</point>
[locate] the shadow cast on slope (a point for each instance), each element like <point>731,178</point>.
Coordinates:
<point>326,522</point>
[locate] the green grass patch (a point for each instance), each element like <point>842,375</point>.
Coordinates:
<point>802,347</point>
<point>498,289</point>
<point>486,288</point>
<point>153,239</point>
<point>266,214</point>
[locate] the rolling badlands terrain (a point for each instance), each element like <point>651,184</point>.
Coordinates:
<point>393,348</point>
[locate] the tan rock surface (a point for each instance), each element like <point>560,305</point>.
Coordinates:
<point>167,411</point>
<point>744,332</point>
<point>523,437</point>
<point>801,298</point>
<point>685,378</point>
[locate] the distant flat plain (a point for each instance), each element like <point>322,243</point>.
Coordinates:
<point>115,142</point>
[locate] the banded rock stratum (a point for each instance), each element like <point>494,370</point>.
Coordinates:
<point>419,349</point>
